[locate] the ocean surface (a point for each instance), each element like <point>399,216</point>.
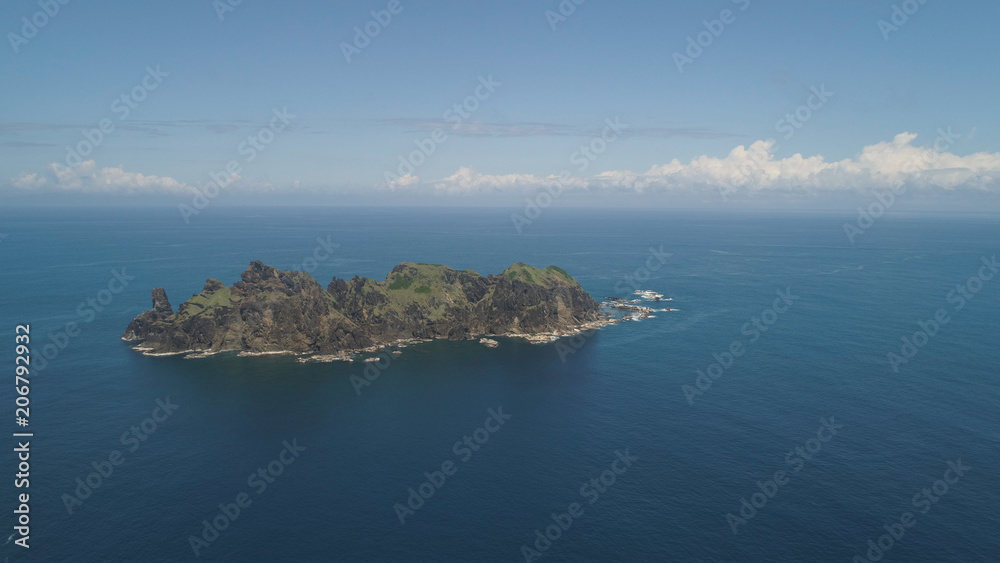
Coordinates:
<point>814,360</point>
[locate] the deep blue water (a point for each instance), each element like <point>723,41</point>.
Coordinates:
<point>825,356</point>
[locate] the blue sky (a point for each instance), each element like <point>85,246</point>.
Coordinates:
<point>555,83</point>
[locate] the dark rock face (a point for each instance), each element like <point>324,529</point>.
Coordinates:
<point>144,323</point>
<point>160,302</point>
<point>271,310</point>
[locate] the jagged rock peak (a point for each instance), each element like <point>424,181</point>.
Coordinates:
<point>160,302</point>
<point>273,310</point>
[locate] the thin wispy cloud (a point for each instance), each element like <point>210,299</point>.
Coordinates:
<point>683,133</point>
<point>470,128</point>
<point>153,128</point>
<point>25,144</point>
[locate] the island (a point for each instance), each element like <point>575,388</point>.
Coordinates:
<point>271,311</point>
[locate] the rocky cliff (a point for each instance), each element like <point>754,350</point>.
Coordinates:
<point>271,310</point>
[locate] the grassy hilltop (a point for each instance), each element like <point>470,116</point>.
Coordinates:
<point>271,310</point>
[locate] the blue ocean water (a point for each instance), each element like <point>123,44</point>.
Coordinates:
<point>573,408</point>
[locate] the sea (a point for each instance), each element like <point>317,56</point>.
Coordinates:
<point>819,393</point>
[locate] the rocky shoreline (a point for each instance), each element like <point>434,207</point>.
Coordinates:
<point>351,355</point>
<point>274,312</point>
<point>633,311</point>
<point>612,311</point>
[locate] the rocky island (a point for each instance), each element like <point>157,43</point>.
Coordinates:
<point>271,311</point>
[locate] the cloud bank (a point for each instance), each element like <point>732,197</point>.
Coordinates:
<point>86,177</point>
<point>746,170</point>
<point>755,169</point>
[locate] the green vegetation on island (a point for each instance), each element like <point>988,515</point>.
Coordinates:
<point>271,310</point>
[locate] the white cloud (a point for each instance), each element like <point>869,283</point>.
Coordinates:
<point>749,169</point>
<point>403,181</point>
<point>28,181</point>
<point>86,177</point>
<point>468,181</point>
<point>755,169</point>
